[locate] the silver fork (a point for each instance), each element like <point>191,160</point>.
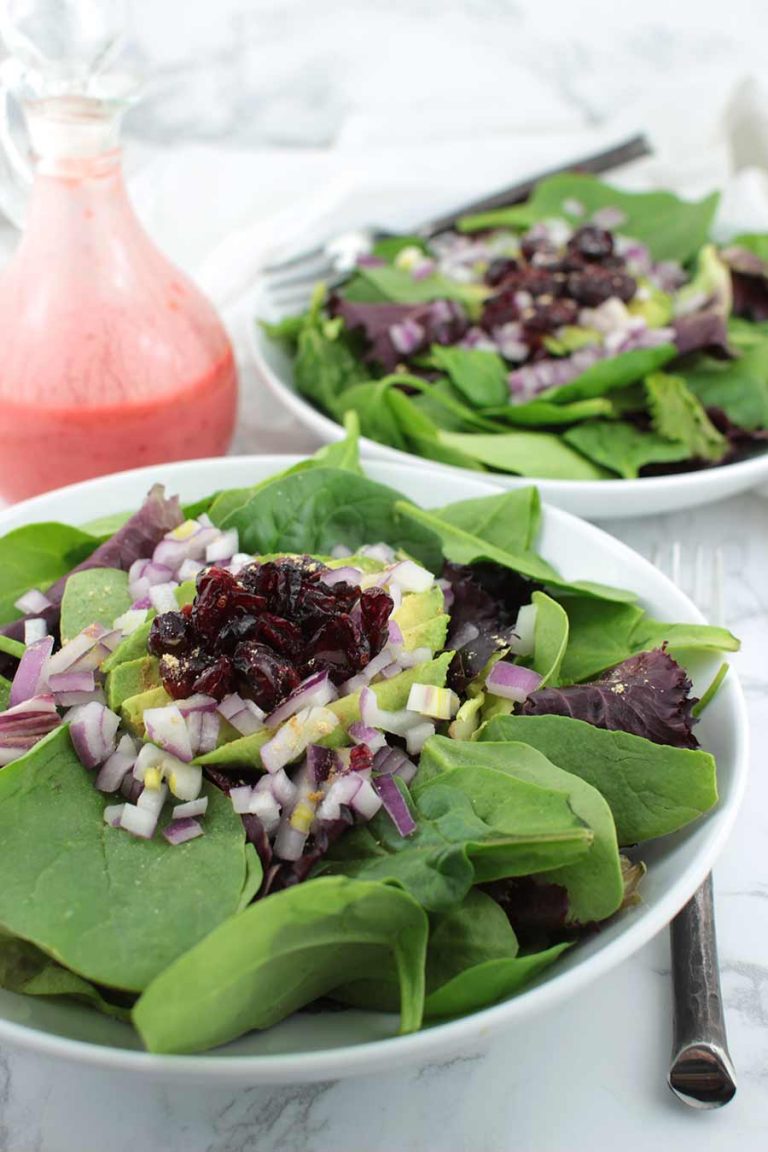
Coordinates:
<point>288,282</point>
<point>701,1072</point>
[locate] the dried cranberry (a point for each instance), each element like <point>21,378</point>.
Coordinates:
<point>280,634</point>
<point>360,758</point>
<point>269,677</point>
<point>170,632</point>
<point>591,242</point>
<point>538,282</point>
<point>218,597</point>
<point>279,582</point>
<point>179,674</point>
<point>237,628</point>
<point>339,647</point>
<point>531,245</point>
<point>217,680</point>
<point>500,309</point>
<point>547,315</point>
<point>594,286</point>
<point>500,270</point>
<point>375,609</point>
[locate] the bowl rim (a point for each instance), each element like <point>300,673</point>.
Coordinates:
<point>440,1039</point>
<point>706,482</point>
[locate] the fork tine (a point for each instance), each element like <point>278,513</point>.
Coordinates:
<point>295,297</point>
<point>307,272</point>
<point>291,261</point>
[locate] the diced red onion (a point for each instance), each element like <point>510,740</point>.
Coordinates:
<point>241,798</point>
<point>245,716</point>
<point>75,699</point>
<point>418,736</point>
<point>382,552</point>
<point>93,730</point>
<point>609,217</point>
<point>314,692</point>
<point>23,725</point>
<point>407,336</point>
<point>512,681</point>
<point>163,598</point>
<point>197,703</point>
<point>149,756</point>
<point>189,569</point>
<point>209,733</point>
<point>282,787</point>
<point>72,682</point>
<point>395,633</point>
<point>524,639</point>
<point>374,666</point>
<point>361,734</point>
<point>184,780</point>
<point>129,621</point>
<point>410,576</point>
<point>35,629</point>
<point>394,762</point>
<point>340,551</point>
<point>265,806</point>
<point>189,808</point>
<point>116,767</point>
<point>139,822</point>
<point>153,799</point>
<point>391,670</point>
<point>32,603</point>
<point>366,801</point>
<point>341,791</point>
<point>347,575</point>
<point>142,602</point>
<point>131,788</point>
<point>86,651</point>
<point>113,814</point>
<point>179,831</point>
<point>415,657</point>
<point>573,207</point>
<point>289,842</point>
<point>354,684</point>
<point>465,634</point>
<point>223,548</point>
<point>30,675</point>
<point>429,700</point>
<point>395,805</point>
<point>166,727</point>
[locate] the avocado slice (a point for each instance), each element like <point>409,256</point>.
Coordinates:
<point>422,619</point>
<point>131,679</point>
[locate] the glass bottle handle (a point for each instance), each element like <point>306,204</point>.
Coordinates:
<point>16,171</point>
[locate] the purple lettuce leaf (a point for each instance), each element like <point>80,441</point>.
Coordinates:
<point>749,279</point>
<point>647,695</point>
<point>135,540</point>
<point>704,331</point>
<point>441,321</point>
<point>484,599</point>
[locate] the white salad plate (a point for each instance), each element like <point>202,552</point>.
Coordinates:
<point>328,1045</point>
<point>594,499</point>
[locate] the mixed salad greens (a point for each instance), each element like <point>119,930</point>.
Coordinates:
<point>307,740</point>
<point>587,334</point>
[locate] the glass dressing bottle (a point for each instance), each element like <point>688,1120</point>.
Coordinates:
<point>110,357</point>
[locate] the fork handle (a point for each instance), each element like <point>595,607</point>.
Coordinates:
<point>701,1073</point>
<point>632,149</point>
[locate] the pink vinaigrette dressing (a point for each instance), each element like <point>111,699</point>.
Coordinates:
<point>110,358</point>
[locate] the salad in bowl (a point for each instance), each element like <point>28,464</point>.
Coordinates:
<point>587,338</point>
<point>305,744</point>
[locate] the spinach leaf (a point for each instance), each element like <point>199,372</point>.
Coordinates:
<point>286,331</point>
<point>37,555</point>
<point>593,882</point>
<point>463,546</point>
<point>397,284</point>
<point>673,229</point>
<point>550,638</point>
<point>538,413</point>
<point>488,983</point>
<point>446,409</point>
<point>421,433</point>
<point>602,634</point>
<point>114,909</point>
<point>370,404</point>
<point>510,520</point>
<point>481,377</point>
<point>624,448</point>
<point>282,953</point>
<point>93,596</point>
<point>315,510</point>
<point>325,366</point>
<point>473,826</point>
<point>611,374</point>
<point>24,968</point>
<point>539,455</point>
<point>678,415</point>
<point>651,789</point>
<point>739,387</point>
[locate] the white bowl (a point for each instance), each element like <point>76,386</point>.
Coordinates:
<point>323,1046</point>
<point>595,499</point>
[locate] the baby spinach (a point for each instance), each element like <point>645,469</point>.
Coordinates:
<point>481,377</point>
<point>489,982</point>
<point>472,826</point>
<point>673,229</point>
<point>316,510</point>
<point>114,909</point>
<point>738,387</point>
<point>547,412</point>
<point>622,447</point>
<point>36,556</point>
<point>540,455</point>
<point>550,638</point>
<point>397,284</point>
<point>511,520</point>
<point>282,953</point>
<point>325,366</point>
<point>24,968</point>
<point>594,881</point>
<point>93,596</point>
<point>369,402</point>
<point>651,789</point>
<point>612,373</point>
<point>678,415</point>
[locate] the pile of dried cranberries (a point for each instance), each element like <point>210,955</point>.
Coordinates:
<point>260,633</point>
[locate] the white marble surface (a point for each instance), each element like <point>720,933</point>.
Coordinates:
<point>590,1075</point>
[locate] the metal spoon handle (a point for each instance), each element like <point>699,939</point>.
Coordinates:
<point>701,1072</point>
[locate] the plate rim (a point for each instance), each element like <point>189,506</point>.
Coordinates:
<point>441,1039</point>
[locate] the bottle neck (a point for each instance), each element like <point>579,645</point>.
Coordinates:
<point>74,136</point>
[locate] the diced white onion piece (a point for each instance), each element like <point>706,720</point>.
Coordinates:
<point>417,737</point>
<point>224,548</point>
<point>264,805</point>
<point>189,569</point>
<point>167,728</point>
<point>374,717</point>
<point>354,684</point>
<point>289,842</point>
<point>93,731</point>
<point>366,801</point>
<point>384,553</point>
<point>522,643</point>
<point>197,703</point>
<point>33,601</point>
<point>115,767</point>
<point>314,692</point>
<point>34,630</point>
<point>512,681</point>
<point>415,657</point>
<point>340,551</point>
<point>153,799</point>
<point>138,821</point>
<point>428,700</point>
<point>149,757</point>
<point>129,621</point>
<point>281,786</point>
<point>189,808</point>
<point>163,597</point>
<point>209,733</point>
<point>112,814</point>
<point>409,576</point>
<point>307,727</point>
<point>184,780</point>
<point>241,798</point>
<point>374,666</point>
